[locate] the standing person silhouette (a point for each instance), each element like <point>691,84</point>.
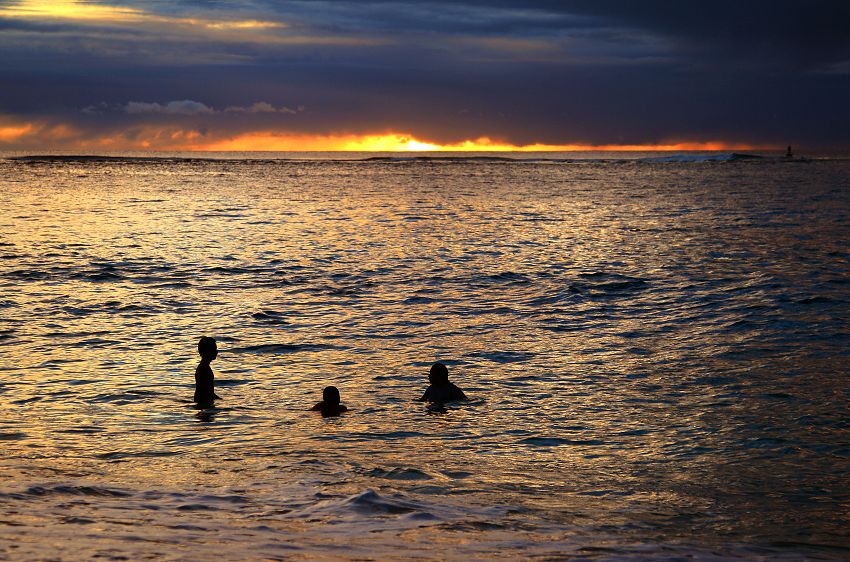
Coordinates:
<point>204,379</point>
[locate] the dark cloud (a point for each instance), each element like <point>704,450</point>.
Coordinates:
<point>534,71</point>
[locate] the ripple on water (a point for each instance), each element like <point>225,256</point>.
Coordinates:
<point>503,357</point>
<point>72,490</point>
<point>123,455</point>
<point>375,436</point>
<point>603,284</point>
<point>125,397</point>
<point>367,503</point>
<point>12,436</point>
<point>27,274</point>
<point>662,338</point>
<point>399,473</point>
<point>559,441</point>
<point>270,317</point>
<point>286,348</point>
<point>102,275</point>
<point>505,277</point>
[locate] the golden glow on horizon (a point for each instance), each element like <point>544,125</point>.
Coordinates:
<point>84,11</point>
<point>399,142</point>
<point>17,135</point>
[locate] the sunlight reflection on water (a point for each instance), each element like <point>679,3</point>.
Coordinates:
<point>656,354</point>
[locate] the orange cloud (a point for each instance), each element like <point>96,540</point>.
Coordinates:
<point>15,132</point>
<point>16,135</point>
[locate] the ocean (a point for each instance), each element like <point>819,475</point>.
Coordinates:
<point>655,349</point>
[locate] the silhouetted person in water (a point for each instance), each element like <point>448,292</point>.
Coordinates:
<point>330,406</point>
<point>204,379</point>
<point>788,154</point>
<point>441,390</point>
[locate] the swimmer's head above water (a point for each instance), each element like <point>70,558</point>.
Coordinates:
<point>207,348</point>
<point>439,374</point>
<point>330,395</point>
<point>330,404</point>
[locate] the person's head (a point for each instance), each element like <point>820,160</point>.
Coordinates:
<point>207,348</point>
<point>330,395</point>
<point>439,374</point>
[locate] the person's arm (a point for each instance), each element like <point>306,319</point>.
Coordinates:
<point>426,396</point>
<point>317,407</point>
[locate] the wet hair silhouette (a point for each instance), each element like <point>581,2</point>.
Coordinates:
<point>204,379</point>
<point>439,374</point>
<point>441,390</point>
<point>207,347</point>
<point>330,404</point>
<point>331,395</point>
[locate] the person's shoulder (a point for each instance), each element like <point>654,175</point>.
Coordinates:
<point>317,407</point>
<point>457,393</point>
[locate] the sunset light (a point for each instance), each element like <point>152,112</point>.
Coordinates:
<point>149,137</point>
<point>424,280</point>
<point>385,77</point>
<point>68,9</point>
<point>401,142</point>
<point>12,133</point>
<point>86,11</point>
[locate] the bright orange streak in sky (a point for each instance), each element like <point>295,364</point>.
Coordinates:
<point>15,135</point>
<point>399,142</point>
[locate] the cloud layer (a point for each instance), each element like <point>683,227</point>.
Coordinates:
<point>537,71</point>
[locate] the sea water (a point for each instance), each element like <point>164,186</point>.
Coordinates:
<point>655,349</point>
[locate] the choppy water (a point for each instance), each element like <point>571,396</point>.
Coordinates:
<point>656,351</point>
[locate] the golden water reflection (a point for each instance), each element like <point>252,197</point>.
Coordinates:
<point>652,351</point>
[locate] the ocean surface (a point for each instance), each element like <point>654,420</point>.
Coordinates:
<point>656,349</point>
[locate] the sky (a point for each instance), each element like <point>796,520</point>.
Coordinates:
<point>424,74</point>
